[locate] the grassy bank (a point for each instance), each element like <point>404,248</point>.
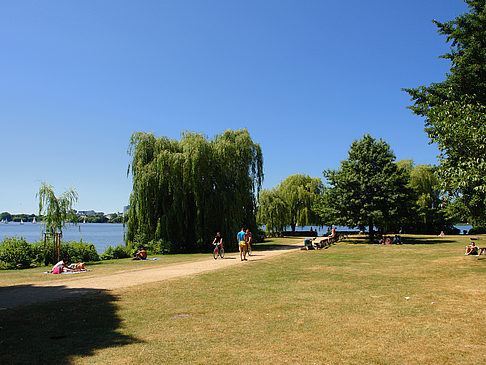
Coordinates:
<point>346,304</point>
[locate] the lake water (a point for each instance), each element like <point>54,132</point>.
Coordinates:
<point>101,235</point>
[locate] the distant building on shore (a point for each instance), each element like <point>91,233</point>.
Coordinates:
<point>88,213</point>
<point>126,208</point>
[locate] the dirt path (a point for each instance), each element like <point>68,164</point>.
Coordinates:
<point>27,294</point>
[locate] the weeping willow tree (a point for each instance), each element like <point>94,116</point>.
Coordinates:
<point>186,190</point>
<point>290,203</point>
<point>56,211</point>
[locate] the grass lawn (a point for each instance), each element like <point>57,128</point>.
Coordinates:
<point>108,267</point>
<point>346,304</point>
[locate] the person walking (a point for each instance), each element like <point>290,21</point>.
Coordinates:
<point>242,244</point>
<point>248,241</point>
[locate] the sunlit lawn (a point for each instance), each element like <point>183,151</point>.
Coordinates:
<point>35,275</point>
<point>420,303</point>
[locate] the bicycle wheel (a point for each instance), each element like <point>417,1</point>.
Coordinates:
<point>215,253</point>
<point>221,252</point>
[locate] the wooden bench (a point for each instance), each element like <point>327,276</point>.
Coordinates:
<point>326,242</point>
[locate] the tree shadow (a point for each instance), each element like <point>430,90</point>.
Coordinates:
<point>272,246</point>
<point>432,240</point>
<point>426,240</point>
<point>69,325</point>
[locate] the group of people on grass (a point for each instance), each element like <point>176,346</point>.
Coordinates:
<point>244,238</point>
<point>64,266</point>
<point>397,240</point>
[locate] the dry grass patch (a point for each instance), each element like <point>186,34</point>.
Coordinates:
<point>344,305</point>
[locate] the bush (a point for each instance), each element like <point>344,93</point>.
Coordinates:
<point>477,230</point>
<point>15,253</point>
<point>119,252</point>
<point>159,247</point>
<point>79,251</point>
<point>70,250</point>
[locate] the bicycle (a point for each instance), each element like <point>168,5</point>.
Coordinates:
<point>218,250</point>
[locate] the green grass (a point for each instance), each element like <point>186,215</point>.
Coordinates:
<point>346,304</point>
<point>108,267</point>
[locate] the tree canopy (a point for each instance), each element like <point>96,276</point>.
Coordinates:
<point>185,191</point>
<point>56,211</point>
<point>367,190</point>
<point>455,110</point>
<point>290,203</point>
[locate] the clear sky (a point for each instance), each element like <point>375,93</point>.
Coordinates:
<point>306,78</point>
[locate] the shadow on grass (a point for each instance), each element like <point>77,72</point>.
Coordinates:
<point>432,240</point>
<point>55,331</point>
<point>272,246</point>
<point>425,240</point>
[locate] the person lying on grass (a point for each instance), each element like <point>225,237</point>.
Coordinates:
<point>472,249</point>
<point>78,267</point>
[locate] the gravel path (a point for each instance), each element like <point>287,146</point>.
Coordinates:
<point>28,294</point>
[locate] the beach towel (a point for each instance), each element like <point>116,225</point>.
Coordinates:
<point>66,272</point>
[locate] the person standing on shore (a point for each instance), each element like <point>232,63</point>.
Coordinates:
<point>242,244</point>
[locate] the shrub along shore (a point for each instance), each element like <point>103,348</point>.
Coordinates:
<point>17,253</point>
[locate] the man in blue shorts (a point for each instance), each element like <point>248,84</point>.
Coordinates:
<point>242,244</point>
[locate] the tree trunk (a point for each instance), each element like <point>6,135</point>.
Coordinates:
<point>293,227</point>
<point>370,228</point>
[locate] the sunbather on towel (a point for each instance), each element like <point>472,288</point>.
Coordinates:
<point>77,267</point>
<point>61,266</point>
<point>141,255</point>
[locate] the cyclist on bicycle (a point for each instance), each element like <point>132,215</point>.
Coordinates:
<point>218,241</point>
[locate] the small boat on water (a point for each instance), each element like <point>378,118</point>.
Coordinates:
<point>34,221</point>
<point>21,221</point>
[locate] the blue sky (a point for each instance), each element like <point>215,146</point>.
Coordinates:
<point>305,77</point>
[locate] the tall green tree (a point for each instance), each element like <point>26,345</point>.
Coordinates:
<point>56,211</point>
<point>368,189</point>
<point>272,211</point>
<point>455,110</point>
<point>184,191</point>
<point>290,203</point>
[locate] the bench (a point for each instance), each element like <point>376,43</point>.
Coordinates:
<point>326,242</point>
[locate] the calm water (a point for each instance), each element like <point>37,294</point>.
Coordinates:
<point>100,234</point>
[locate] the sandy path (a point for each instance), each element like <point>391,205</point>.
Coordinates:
<point>27,294</point>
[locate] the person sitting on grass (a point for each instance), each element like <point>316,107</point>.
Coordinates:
<point>141,255</point>
<point>397,240</point>
<point>60,267</point>
<point>472,249</point>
